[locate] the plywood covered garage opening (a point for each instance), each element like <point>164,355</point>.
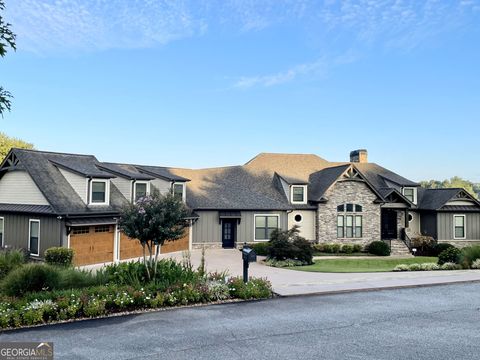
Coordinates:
<point>92,244</point>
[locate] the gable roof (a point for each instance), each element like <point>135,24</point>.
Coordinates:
<point>435,199</point>
<point>321,180</point>
<point>377,175</point>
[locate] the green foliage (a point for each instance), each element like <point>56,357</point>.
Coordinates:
<point>59,256</point>
<point>284,263</point>
<point>450,255</point>
<point>10,260</point>
<point>450,266</point>
<point>468,255</point>
<point>439,248</point>
<point>475,264</point>
<point>133,273</point>
<point>7,143</point>
<point>7,40</point>
<point>347,249</point>
<point>153,220</point>
<point>30,277</point>
<point>70,278</point>
<point>417,267</point>
<point>254,289</point>
<point>378,248</point>
<point>454,182</point>
<point>260,248</point>
<point>288,244</point>
<point>357,248</point>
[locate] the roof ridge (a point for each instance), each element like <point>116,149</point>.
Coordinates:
<point>53,152</point>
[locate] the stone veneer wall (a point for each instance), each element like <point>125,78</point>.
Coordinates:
<point>348,191</point>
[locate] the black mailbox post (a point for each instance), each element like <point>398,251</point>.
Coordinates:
<point>248,255</point>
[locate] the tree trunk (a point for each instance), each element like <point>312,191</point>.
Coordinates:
<point>157,251</point>
<point>145,261</point>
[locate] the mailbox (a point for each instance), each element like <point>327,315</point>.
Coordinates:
<point>249,255</point>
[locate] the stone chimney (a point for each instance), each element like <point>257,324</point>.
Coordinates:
<point>359,156</point>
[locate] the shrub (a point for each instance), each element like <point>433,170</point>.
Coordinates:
<point>439,248</point>
<point>284,263</point>
<point>429,266</point>
<point>450,255</point>
<point>450,266</point>
<point>357,248</point>
<point>328,248</point>
<point>261,248</point>
<point>378,248</point>
<point>30,277</point>
<point>289,244</point>
<point>402,267</point>
<point>347,249</point>
<point>415,267</point>
<point>468,255</point>
<point>75,279</point>
<point>133,273</point>
<point>476,264</point>
<point>59,256</point>
<point>319,247</point>
<point>9,260</point>
<point>94,306</point>
<point>336,248</point>
<point>256,288</point>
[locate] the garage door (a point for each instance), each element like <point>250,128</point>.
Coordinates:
<point>131,248</point>
<point>92,244</point>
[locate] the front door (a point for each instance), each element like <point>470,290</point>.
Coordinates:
<point>389,224</point>
<point>229,228</point>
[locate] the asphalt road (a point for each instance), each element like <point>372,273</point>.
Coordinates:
<point>439,322</point>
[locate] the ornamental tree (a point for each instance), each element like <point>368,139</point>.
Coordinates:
<point>152,220</point>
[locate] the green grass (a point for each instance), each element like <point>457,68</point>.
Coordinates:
<point>361,265</point>
<point>341,254</point>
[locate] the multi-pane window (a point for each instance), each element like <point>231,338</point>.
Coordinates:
<point>140,190</point>
<point>99,192</point>
<point>410,194</point>
<point>2,225</point>
<point>264,226</point>
<point>459,226</point>
<point>298,194</point>
<point>80,230</point>
<point>349,223</point>
<point>34,237</point>
<point>178,191</point>
<point>102,228</point>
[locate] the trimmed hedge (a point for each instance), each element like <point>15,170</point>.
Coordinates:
<point>59,256</point>
<point>260,248</point>
<point>378,248</point>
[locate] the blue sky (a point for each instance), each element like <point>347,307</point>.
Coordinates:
<point>212,83</point>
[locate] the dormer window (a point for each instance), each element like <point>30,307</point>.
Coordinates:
<point>178,191</point>
<point>141,189</point>
<point>99,192</point>
<point>411,194</point>
<point>299,194</point>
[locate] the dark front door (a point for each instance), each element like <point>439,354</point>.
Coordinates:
<point>229,229</point>
<point>389,224</point>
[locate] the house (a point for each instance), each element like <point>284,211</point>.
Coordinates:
<point>55,199</point>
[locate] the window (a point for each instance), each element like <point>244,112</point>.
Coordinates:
<point>80,230</point>
<point>459,226</point>
<point>264,226</point>
<point>2,222</point>
<point>99,192</point>
<point>178,190</point>
<point>102,228</point>
<point>410,217</point>
<point>351,225</point>
<point>298,194</point>
<point>141,189</point>
<point>411,194</point>
<point>298,218</point>
<point>34,237</point>
<point>340,226</point>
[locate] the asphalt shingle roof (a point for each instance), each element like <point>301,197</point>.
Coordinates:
<point>125,170</point>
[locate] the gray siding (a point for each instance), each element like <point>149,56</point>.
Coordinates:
<point>17,187</point>
<point>124,186</point>
<point>428,224</point>
<point>208,230</point>
<point>445,226</point>
<point>163,186</point>
<point>52,231</point>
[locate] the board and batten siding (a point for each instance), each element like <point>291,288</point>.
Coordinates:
<point>445,226</point>
<point>16,231</point>
<point>18,187</point>
<point>77,182</point>
<point>208,229</point>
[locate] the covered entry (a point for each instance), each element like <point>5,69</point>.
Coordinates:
<point>229,221</point>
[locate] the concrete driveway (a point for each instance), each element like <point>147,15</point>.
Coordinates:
<point>290,282</point>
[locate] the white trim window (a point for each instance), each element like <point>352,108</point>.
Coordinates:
<point>265,224</point>
<point>2,232</point>
<point>178,190</point>
<point>298,194</point>
<point>99,192</point>
<point>140,189</point>
<point>410,193</point>
<point>34,237</point>
<point>459,227</point>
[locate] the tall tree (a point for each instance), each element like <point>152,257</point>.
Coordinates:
<point>7,40</point>
<point>7,142</point>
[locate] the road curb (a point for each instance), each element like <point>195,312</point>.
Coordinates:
<point>371,289</point>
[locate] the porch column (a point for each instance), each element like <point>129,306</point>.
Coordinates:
<point>406,219</point>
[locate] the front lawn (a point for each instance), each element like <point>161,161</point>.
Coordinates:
<point>361,265</point>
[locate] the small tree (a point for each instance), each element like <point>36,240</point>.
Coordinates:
<point>288,244</point>
<point>152,220</point>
